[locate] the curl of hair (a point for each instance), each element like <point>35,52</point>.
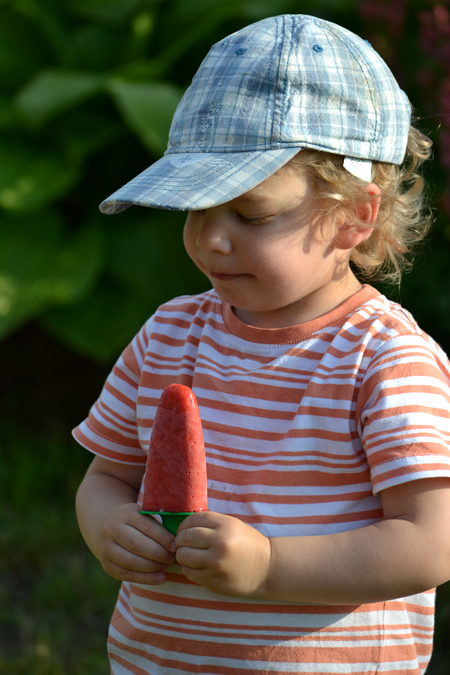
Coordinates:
<point>404,217</point>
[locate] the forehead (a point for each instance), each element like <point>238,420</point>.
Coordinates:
<point>286,182</point>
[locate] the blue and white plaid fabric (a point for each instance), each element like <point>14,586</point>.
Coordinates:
<point>261,95</point>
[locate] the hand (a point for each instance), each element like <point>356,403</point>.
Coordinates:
<point>223,554</point>
<point>134,547</point>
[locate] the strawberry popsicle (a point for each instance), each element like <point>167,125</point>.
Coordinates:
<point>175,476</point>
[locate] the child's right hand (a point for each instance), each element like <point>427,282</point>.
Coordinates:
<point>136,548</point>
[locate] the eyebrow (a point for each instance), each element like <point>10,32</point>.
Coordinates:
<point>249,197</point>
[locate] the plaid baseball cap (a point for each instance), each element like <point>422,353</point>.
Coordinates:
<point>261,95</point>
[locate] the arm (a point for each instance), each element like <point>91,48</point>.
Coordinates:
<point>129,545</point>
<point>405,553</point>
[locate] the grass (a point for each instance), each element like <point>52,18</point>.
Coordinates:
<point>55,599</point>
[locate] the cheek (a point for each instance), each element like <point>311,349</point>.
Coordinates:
<point>279,275</point>
<point>279,257</point>
<point>189,236</point>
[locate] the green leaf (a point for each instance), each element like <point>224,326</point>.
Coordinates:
<point>85,132</point>
<point>141,30</point>
<point>39,267</point>
<point>8,114</point>
<point>102,325</point>
<point>30,178</point>
<point>146,253</point>
<point>146,266</point>
<point>106,11</point>
<point>260,9</point>
<point>147,109</point>
<point>205,21</point>
<point>188,9</point>
<point>140,70</point>
<point>54,91</point>
<point>47,16</point>
<point>21,50</point>
<point>99,48</point>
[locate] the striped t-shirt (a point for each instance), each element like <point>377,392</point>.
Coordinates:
<point>303,427</point>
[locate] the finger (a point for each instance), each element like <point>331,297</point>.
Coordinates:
<point>194,558</point>
<point>197,576</point>
<point>195,537</point>
<point>134,542</point>
<point>134,562</point>
<point>208,519</point>
<point>156,531</point>
<point>150,527</point>
<point>135,576</point>
<point>127,522</point>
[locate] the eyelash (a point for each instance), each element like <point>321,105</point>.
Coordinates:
<point>254,221</point>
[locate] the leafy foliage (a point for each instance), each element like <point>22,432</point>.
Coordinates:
<point>56,600</point>
<point>87,92</point>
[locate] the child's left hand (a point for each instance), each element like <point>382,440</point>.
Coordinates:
<point>223,554</point>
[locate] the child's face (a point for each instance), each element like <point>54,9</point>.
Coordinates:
<point>266,254</point>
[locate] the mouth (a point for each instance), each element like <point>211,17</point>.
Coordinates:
<point>224,277</point>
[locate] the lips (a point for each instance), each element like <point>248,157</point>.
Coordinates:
<point>224,277</point>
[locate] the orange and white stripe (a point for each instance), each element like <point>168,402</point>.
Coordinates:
<point>303,427</point>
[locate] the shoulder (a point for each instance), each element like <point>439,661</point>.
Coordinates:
<point>181,316</point>
<point>191,305</point>
<point>171,325</point>
<point>384,318</point>
<point>393,339</point>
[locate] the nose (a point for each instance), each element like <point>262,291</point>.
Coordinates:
<point>213,233</point>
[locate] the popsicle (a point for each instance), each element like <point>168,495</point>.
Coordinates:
<point>175,476</point>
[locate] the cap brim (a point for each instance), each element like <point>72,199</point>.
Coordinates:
<point>194,181</point>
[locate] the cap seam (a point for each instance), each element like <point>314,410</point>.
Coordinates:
<point>285,79</point>
<point>351,49</point>
<point>276,122</point>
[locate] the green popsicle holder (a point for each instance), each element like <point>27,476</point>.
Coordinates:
<point>170,520</point>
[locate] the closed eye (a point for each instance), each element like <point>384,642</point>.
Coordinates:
<point>255,221</point>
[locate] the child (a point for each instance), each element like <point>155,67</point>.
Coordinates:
<point>326,410</point>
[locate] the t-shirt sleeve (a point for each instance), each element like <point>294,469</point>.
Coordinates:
<point>111,429</point>
<point>403,412</point>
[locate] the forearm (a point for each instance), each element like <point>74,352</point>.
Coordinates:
<point>375,563</point>
<point>98,496</point>
<point>405,553</point>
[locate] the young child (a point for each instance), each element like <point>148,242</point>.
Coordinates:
<point>326,410</point>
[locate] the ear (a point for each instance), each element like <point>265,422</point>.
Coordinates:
<point>350,235</point>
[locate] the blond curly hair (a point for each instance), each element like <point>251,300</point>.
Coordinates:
<point>404,216</point>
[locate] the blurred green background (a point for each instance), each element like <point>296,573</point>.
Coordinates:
<point>87,91</point>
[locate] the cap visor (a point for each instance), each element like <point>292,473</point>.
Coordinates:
<point>194,181</point>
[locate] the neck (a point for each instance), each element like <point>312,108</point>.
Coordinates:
<point>306,309</point>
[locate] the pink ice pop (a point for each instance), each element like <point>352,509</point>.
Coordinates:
<point>175,477</point>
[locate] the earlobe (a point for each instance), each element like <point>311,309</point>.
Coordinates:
<point>350,235</point>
